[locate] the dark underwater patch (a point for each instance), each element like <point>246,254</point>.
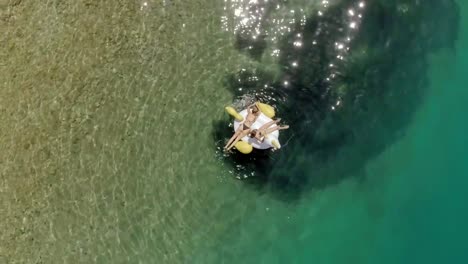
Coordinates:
<point>344,106</point>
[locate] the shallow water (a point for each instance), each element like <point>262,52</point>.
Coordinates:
<point>100,162</point>
<point>98,100</point>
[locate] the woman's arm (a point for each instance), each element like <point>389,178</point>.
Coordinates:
<point>250,106</point>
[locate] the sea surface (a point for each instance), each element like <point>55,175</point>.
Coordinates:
<point>112,117</point>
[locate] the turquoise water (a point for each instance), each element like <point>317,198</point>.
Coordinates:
<point>427,212</point>
<point>408,205</point>
<point>100,162</point>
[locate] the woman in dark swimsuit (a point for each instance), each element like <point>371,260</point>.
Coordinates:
<point>253,112</point>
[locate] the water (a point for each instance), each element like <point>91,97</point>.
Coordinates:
<point>101,164</point>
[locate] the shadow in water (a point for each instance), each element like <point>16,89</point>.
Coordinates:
<point>347,90</point>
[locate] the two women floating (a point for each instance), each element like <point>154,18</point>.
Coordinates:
<point>254,128</point>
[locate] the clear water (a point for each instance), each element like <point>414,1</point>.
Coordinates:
<point>100,161</point>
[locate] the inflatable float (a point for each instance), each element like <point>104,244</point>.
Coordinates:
<point>247,143</point>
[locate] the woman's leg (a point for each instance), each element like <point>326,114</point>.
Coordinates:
<point>269,124</point>
<point>233,137</point>
<point>271,129</point>
<point>239,137</point>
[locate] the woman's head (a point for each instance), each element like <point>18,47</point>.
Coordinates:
<point>255,108</point>
<point>253,133</point>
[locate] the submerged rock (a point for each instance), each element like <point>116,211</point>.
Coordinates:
<point>350,79</point>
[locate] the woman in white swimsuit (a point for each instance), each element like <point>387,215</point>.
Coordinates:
<point>266,129</point>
